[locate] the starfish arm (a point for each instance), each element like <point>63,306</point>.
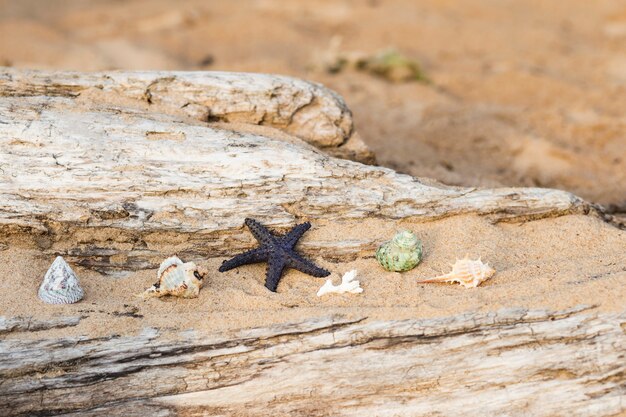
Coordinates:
<point>291,238</point>
<point>304,265</point>
<point>274,272</point>
<point>250,257</point>
<point>260,232</point>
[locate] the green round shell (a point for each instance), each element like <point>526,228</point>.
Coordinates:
<point>406,239</point>
<point>400,254</point>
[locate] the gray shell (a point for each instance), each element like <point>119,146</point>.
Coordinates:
<point>60,284</point>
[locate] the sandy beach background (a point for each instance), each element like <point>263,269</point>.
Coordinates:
<point>518,94</point>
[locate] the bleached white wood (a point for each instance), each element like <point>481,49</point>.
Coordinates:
<point>512,362</point>
<point>28,324</point>
<point>69,168</point>
<point>303,109</point>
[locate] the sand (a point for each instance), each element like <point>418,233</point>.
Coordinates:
<point>521,94</point>
<point>552,263</point>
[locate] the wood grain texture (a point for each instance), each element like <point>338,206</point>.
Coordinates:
<point>303,109</point>
<point>28,324</point>
<point>118,187</point>
<point>512,362</point>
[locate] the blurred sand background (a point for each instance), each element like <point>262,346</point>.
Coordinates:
<point>528,93</point>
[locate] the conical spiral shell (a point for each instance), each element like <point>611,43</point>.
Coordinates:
<point>466,272</point>
<point>400,254</point>
<point>60,284</point>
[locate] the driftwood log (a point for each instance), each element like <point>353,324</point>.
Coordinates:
<point>71,165</point>
<point>511,362</point>
<point>303,109</point>
<point>98,167</point>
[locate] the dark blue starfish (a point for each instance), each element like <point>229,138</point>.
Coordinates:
<point>278,252</point>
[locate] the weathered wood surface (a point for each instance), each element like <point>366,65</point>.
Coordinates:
<point>116,187</point>
<point>303,109</point>
<point>28,324</point>
<point>512,362</point>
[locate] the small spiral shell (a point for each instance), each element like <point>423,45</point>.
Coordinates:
<point>178,279</point>
<point>400,254</point>
<point>60,284</point>
<point>467,272</point>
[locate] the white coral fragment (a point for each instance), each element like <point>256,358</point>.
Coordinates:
<point>348,284</point>
<point>466,272</point>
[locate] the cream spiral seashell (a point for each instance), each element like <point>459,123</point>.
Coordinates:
<point>466,272</point>
<point>177,279</point>
<point>401,253</point>
<point>60,284</point>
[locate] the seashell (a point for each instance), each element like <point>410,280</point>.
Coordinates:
<point>466,272</point>
<point>348,284</point>
<point>401,253</point>
<point>177,279</point>
<point>60,284</point>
